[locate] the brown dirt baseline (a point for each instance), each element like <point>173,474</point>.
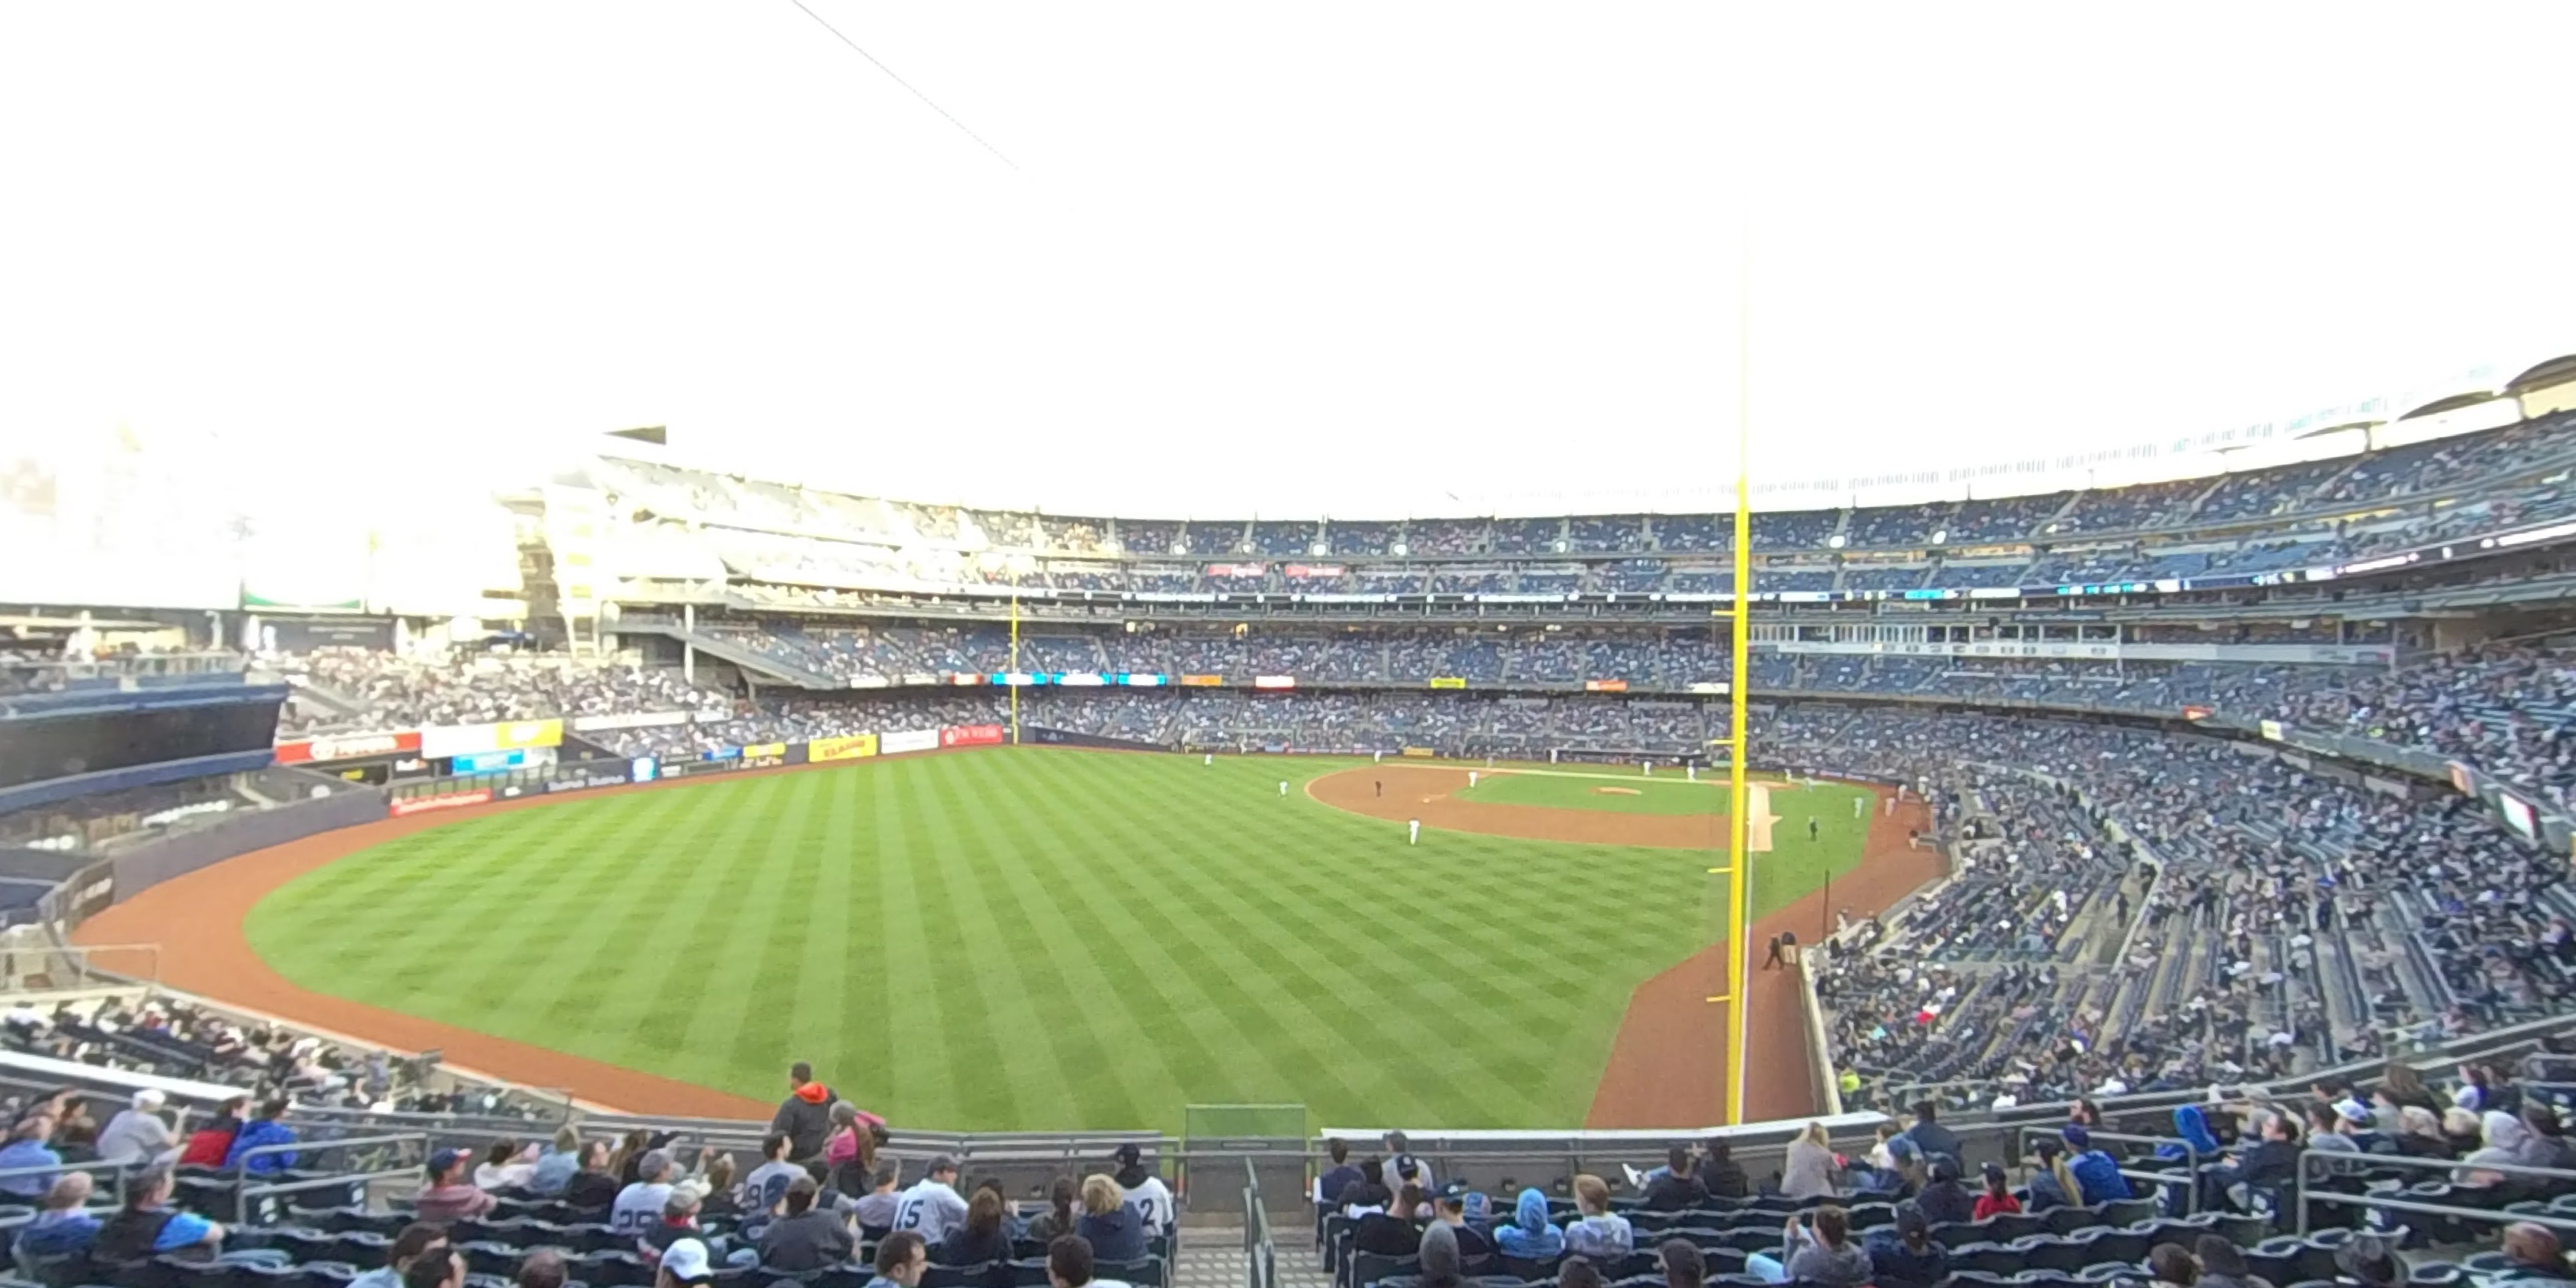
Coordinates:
<point>1671,1048</point>
<point>1424,792</point>
<point>1672,1044</point>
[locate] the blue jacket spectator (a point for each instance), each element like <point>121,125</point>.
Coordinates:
<point>259,1132</point>
<point>555,1167</point>
<point>1116,1231</point>
<point>1329,1186</point>
<point>2097,1173</point>
<point>28,1148</point>
<point>2193,1126</point>
<point>62,1228</point>
<point>1929,1135</point>
<point>1530,1236</point>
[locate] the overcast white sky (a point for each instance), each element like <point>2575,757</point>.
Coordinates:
<point>1339,257</point>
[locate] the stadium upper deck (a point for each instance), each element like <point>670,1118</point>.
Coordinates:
<point>2448,499</point>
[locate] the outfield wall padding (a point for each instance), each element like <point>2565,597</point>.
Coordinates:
<point>1068,738</point>
<point>149,864</point>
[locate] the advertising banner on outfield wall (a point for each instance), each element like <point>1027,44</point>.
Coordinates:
<point>764,755</point>
<point>2464,780</point>
<point>870,682</point>
<point>1448,682</point>
<point>407,805</point>
<point>857,746</point>
<point>1140,680</point>
<point>970,735</point>
<point>1237,570</point>
<point>1280,682</point>
<point>1708,686</point>
<point>439,742</point>
<point>584,783</point>
<point>1420,753</point>
<point>962,680</point>
<point>348,746</point>
<point>904,740</point>
<point>629,720</point>
<point>1314,570</point>
<point>919,678</point>
<point>2272,730</point>
<point>1081,679</point>
<point>1605,686</point>
<point>1202,681</point>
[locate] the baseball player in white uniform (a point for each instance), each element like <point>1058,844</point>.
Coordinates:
<point>1208,759</point>
<point>1283,786</point>
<point>1471,778</point>
<point>1413,834</point>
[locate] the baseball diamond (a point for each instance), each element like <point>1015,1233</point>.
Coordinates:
<point>1101,939</point>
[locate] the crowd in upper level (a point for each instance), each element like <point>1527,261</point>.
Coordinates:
<point>2427,469</point>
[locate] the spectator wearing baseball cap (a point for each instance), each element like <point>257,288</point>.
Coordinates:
<point>446,1195</point>
<point>137,1132</point>
<point>1401,1166</point>
<point>1450,1209</point>
<point>1140,1187</point>
<point>1909,1257</point>
<point>684,1262</point>
<point>679,1221</point>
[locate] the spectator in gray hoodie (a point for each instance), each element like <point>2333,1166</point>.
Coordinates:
<point>1822,1254</point>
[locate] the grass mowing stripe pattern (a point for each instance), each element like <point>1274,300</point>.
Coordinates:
<point>1020,938</point>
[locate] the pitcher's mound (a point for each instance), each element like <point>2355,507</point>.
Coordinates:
<point>1617,791</point>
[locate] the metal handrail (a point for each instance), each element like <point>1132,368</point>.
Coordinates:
<point>245,1189</point>
<point>2447,1165</point>
<point>118,1173</point>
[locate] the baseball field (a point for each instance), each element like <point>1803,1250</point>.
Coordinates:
<point>1041,938</point>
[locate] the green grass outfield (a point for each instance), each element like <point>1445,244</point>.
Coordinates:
<point>1024,938</point>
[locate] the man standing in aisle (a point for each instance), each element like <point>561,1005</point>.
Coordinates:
<point>805,1116</point>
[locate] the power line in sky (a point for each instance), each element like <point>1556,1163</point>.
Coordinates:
<point>890,75</point>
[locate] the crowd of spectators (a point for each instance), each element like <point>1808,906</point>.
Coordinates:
<point>776,534</point>
<point>2506,709</point>
<point>2292,918</point>
<point>373,688</point>
<point>277,1069</point>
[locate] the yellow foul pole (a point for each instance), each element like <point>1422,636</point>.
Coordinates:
<point>1013,677</point>
<point>1739,864</point>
